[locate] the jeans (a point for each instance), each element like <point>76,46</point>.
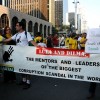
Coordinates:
<point>92,88</point>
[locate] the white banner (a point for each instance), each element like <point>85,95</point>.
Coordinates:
<point>93,41</point>
<point>57,63</point>
<point>93,33</point>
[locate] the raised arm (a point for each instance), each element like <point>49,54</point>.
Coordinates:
<point>34,43</point>
<point>7,40</point>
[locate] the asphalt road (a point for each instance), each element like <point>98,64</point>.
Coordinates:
<point>44,88</point>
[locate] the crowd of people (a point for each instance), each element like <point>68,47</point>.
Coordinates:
<point>23,38</point>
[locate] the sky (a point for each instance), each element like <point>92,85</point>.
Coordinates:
<point>92,10</point>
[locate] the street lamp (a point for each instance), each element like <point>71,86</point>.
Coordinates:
<point>76,2</point>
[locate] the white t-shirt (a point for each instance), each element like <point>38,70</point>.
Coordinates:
<point>62,40</point>
<point>42,44</point>
<point>21,39</point>
<point>79,38</point>
<point>79,47</point>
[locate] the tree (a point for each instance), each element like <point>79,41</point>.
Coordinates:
<point>54,30</point>
<point>66,27</point>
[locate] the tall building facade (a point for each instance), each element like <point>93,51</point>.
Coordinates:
<point>82,12</point>
<point>65,12</point>
<point>30,7</point>
<point>58,14</point>
<point>0,2</point>
<point>81,21</point>
<point>71,18</point>
<point>38,8</point>
<point>48,10</point>
<point>52,12</point>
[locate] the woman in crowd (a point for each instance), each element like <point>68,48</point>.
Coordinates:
<point>1,37</point>
<point>8,76</point>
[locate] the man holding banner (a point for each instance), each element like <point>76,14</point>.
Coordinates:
<point>93,47</point>
<point>22,39</point>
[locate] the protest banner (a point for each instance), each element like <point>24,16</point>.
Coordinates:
<point>93,41</point>
<point>52,62</point>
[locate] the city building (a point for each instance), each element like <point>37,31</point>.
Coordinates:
<point>79,11</point>
<point>42,9</point>
<point>0,2</point>
<point>81,21</point>
<point>82,12</point>
<point>66,20</point>
<point>65,12</point>
<point>9,17</point>
<point>30,7</point>
<point>58,14</point>
<point>48,11</point>
<point>71,18</point>
<point>52,12</point>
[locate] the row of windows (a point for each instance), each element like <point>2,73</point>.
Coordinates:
<point>25,6</point>
<point>31,7</point>
<point>4,21</point>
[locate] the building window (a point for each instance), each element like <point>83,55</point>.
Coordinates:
<point>14,21</point>
<point>30,25</point>
<point>4,21</point>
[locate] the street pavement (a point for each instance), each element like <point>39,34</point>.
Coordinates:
<point>44,88</point>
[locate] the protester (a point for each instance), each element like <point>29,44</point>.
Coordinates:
<point>67,41</point>
<point>83,41</point>
<point>73,41</point>
<point>1,37</point>
<point>45,40</point>
<point>62,41</point>
<point>92,89</point>
<point>22,40</point>
<point>55,40</point>
<point>92,86</point>
<point>42,44</point>
<point>8,75</point>
<point>79,38</point>
<point>49,41</point>
<point>38,37</point>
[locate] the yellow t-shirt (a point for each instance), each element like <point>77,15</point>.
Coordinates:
<point>1,38</point>
<point>82,44</point>
<point>45,40</point>
<point>67,42</point>
<point>8,35</point>
<point>38,39</point>
<point>72,43</point>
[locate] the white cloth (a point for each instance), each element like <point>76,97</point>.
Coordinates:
<point>42,44</point>
<point>62,40</point>
<point>21,39</point>
<point>79,38</point>
<point>79,46</point>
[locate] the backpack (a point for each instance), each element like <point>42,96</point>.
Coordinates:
<point>29,43</point>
